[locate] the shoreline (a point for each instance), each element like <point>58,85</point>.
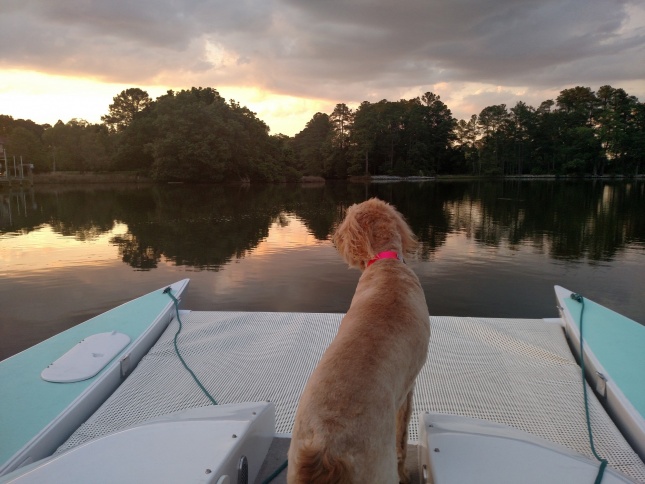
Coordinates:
<point>438,178</point>
<point>64,178</point>
<point>96,178</point>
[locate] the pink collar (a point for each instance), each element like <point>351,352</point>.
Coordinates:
<point>388,254</point>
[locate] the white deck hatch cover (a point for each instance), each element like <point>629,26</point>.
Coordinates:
<point>86,358</point>
<point>196,445</point>
<point>497,453</point>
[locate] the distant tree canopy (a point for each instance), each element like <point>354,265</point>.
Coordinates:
<point>196,135</point>
<point>77,145</point>
<point>125,107</point>
<point>402,138</point>
<point>581,132</point>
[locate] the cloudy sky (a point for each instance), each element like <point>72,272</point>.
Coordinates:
<point>288,59</point>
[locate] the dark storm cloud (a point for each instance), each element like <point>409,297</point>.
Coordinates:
<point>347,50</point>
<point>501,41</point>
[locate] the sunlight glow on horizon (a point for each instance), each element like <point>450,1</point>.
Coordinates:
<point>282,113</point>
<point>55,251</point>
<point>47,98</point>
<point>50,250</point>
<point>286,233</point>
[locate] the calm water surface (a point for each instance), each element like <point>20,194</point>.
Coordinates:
<point>488,248</point>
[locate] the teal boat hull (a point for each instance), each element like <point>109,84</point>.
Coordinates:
<point>614,356</point>
<point>37,416</point>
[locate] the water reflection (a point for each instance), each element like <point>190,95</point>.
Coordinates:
<point>207,226</point>
<point>488,248</point>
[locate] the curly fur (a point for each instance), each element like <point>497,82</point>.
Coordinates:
<point>369,228</point>
<point>316,467</point>
<point>342,432</point>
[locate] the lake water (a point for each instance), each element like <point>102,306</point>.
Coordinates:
<point>489,248</point>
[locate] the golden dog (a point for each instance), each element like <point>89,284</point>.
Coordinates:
<point>351,425</point>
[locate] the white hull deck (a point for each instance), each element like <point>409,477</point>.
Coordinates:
<point>516,372</point>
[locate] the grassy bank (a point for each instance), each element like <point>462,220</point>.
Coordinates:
<point>72,177</point>
<point>78,178</point>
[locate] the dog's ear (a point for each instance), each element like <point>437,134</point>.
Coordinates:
<point>352,240</point>
<point>409,242</point>
<point>373,222</point>
<point>392,228</point>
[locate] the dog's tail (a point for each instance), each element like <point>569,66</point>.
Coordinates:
<point>317,466</point>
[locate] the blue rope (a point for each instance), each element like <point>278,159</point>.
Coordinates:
<point>199,384</point>
<point>603,462</point>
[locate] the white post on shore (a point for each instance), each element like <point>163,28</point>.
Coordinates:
<point>15,173</point>
<point>22,172</point>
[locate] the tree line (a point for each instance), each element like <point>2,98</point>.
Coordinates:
<point>196,135</point>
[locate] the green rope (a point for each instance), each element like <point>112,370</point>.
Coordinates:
<point>199,384</point>
<point>603,462</point>
<point>276,472</point>
<point>176,303</point>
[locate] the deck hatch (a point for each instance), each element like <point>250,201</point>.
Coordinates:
<point>85,359</point>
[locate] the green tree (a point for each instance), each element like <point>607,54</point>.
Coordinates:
<point>466,136</point>
<point>391,120</point>
<point>77,145</point>
<point>25,145</point>
<point>438,133</point>
<point>129,146</point>
<point>547,139</point>
<point>363,137</point>
<point>198,136</point>
<point>493,122</point>
<point>637,139</point>
<point>615,123</point>
<point>189,143</point>
<point>313,145</point>
<point>55,139</point>
<point>582,151</point>
<point>578,109</point>
<point>580,103</point>
<point>407,137</point>
<point>341,120</point>
<point>523,126</point>
<point>125,107</point>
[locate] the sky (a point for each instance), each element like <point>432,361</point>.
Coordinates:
<point>288,59</point>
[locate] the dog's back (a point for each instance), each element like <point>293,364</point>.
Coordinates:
<point>346,425</point>
<point>351,423</point>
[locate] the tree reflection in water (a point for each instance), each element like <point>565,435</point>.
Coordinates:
<point>207,226</point>
<point>488,248</point>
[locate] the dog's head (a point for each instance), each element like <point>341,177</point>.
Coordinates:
<point>369,228</point>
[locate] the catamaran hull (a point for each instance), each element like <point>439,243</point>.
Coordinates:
<point>25,394</point>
